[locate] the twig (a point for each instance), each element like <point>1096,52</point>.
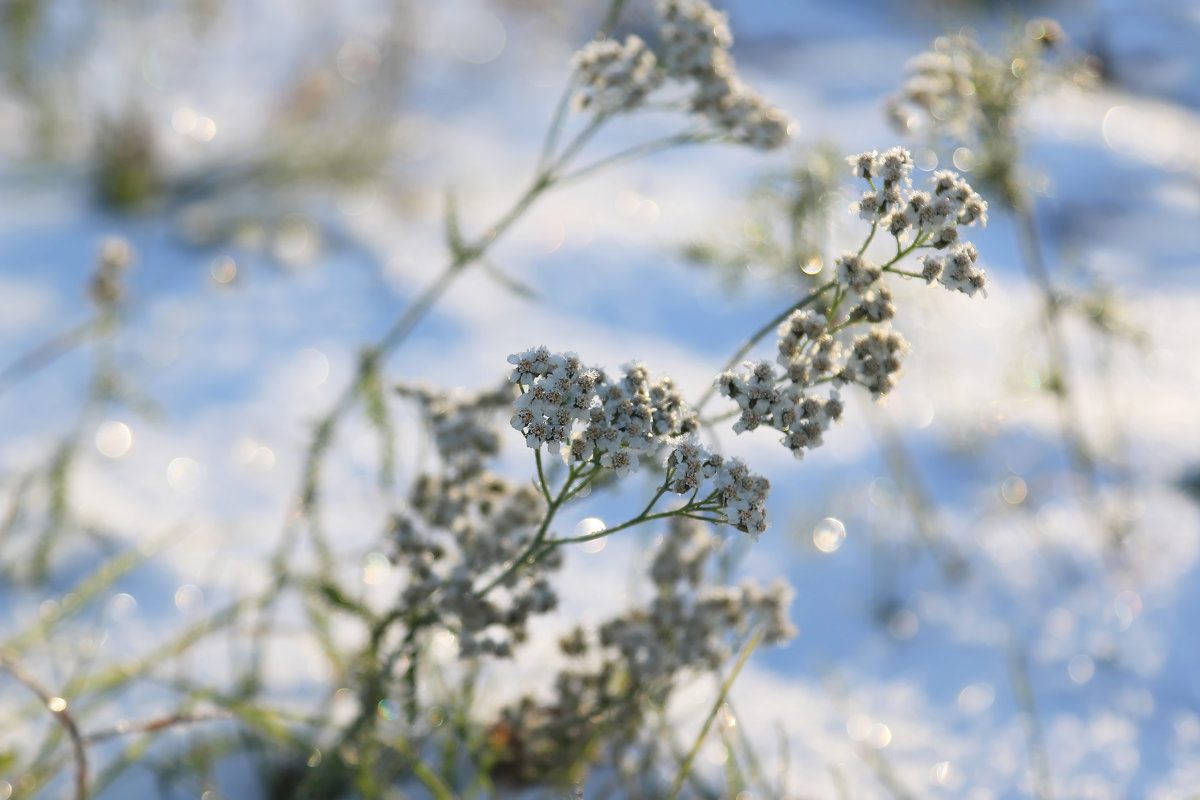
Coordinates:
<point>58,708</point>
<point>157,724</point>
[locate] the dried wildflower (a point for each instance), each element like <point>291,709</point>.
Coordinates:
<point>614,76</point>
<point>693,48</point>
<point>743,495</point>
<point>463,425</point>
<point>874,361</point>
<point>633,661</point>
<point>694,41</point>
<point>961,94</point>
<point>956,270</point>
<point>926,219</point>
<point>816,348</point>
<point>856,272</point>
<point>455,531</point>
<point>587,416</point>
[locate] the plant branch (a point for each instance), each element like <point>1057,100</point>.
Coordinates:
<point>58,708</point>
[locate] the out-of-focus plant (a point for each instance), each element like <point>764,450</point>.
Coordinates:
<point>967,102</point>
<point>476,551</point>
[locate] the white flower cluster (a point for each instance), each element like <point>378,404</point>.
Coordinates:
<point>926,218</point>
<point>463,425</point>
<point>456,530</point>
<point>809,350</point>
<point>738,492</point>
<point>694,41</point>
<point>619,421</point>
<point>874,362</point>
<point>742,495</point>
<point>809,355</point>
<point>633,661</point>
<point>956,269</point>
<point>615,76</point>
<point>693,44</point>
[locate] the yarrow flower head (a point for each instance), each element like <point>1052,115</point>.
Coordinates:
<point>693,48</point>
<point>743,495</point>
<point>462,424</point>
<point>695,41</point>
<point>969,97</point>
<point>818,347</point>
<point>615,76</point>
<point>456,529</point>
<point>108,280</point>
<point>586,415</point>
<point>915,218</point>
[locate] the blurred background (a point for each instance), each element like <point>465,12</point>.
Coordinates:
<point>996,571</point>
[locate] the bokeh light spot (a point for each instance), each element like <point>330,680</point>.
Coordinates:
<point>188,597</point>
<point>314,367</point>
<point>386,710</point>
<point>223,270</point>
<point>376,569</point>
<point>1081,668</point>
<point>878,737</point>
<point>114,439</point>
<point>589,526</point>
<point>828,535</point>
<point>1014,490</point>
<point>183,474</point>
<point>976,698</point>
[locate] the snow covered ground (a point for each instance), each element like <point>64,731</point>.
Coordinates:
<point>903,681</point>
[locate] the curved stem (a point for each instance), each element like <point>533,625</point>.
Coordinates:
<point>636,152</point>
<point>58,708</point>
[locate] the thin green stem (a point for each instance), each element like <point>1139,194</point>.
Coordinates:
<point>556,124</point>
<point>46,353</point>
<point>539,538</point>
<point>583,484</point>
<point>58,709</point>
<point>870,236</point>
<point>686,767</point>
<point>636,152</point>
<point>541,475</point>
<point>610,18</point>
<point>686,511</point>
